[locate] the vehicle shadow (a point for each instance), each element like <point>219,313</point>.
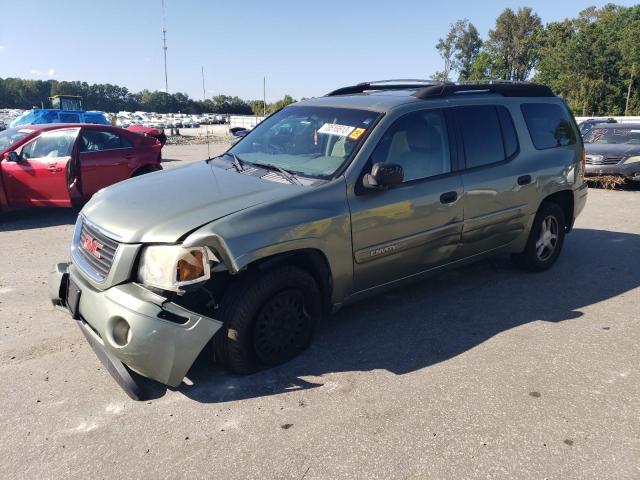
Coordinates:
<point>441,317</point>
<point>37,218</point>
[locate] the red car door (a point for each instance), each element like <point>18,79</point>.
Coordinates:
<point>105,158</point>
<point>42,174</point>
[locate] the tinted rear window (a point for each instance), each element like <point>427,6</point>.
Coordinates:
<point>549,125</point>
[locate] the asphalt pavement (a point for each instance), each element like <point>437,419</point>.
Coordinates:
<point>482,372</point>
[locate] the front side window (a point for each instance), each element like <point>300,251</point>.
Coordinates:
<point>549,125</point>
<point>99,140</point>
<point>309,141</point>
<point>419,143</point>
<point>54,144</point>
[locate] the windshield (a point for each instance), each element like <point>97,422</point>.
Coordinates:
<point>310,141</point>
<point>618,135</point>
<point>11,136</point>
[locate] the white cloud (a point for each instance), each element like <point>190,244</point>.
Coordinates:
<point>51,72</point>
<point>35,72</point>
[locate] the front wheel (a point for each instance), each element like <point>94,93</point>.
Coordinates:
<point>545,240</point>
<point>269,318</point>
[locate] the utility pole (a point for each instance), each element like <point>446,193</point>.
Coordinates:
<point>204,92</point>
<point>164,48</point>
<point>264,96</point>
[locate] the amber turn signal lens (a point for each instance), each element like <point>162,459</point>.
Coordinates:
<point>191,267</point>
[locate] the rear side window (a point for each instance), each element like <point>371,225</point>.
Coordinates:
<point>488,134</point>
<point>99,140</point>
<point>508,132</point>
<point>549,125</point>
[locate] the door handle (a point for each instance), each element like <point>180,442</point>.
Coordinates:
<point>448,197</point>
<point>54,168</point>
<point>524,180</point>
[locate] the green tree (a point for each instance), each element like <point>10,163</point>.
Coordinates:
<point>446,49</point>
<point>467,48</point>
<point>514,43</point>
<point>274,107</point>
<point>631,57</point>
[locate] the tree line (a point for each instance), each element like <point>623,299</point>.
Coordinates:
<point>25,94</point>
<point>593,60</point>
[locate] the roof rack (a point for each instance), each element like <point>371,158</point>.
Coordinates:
<point>428,89</point>
<point>501,87</point>
<point>395,84</point>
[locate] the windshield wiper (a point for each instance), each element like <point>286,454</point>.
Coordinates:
<point>287,175</point>
<point>239,164</point>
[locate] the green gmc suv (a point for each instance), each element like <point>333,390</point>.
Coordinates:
<point>325,202</point>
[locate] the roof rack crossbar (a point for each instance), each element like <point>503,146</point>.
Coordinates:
<point>400,84</point>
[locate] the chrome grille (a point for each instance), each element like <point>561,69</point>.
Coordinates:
<point>612,159</point>
<point>605,160</point>
<point>95,251</point>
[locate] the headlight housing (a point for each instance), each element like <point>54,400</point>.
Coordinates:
<point>171,267</point>
<point>595,158</point>
<point>632,160</point>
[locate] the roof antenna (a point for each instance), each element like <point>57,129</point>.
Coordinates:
<point>204,98</point>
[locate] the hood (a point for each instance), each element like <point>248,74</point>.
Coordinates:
<point>164,206</point>
<point>621,150</point>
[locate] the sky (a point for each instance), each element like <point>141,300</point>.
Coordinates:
<point>303,48</point>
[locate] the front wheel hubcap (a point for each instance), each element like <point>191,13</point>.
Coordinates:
<point>282,328</point>
<point>548,238</point>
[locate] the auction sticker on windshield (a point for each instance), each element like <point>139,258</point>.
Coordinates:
<point>335,129</point>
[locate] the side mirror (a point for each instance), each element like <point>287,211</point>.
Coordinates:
<point>12,157</point>
<point>238,132</point>
<point>383,175</point>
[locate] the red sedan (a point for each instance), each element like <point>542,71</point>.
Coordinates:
<point>57,165</point>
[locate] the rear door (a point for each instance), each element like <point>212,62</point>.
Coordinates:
<point>105,158</point>
<point>497,187</point>
<point>44,172</point>
<point>415,226</point>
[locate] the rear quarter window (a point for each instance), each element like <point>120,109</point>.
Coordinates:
<point>549,125</point>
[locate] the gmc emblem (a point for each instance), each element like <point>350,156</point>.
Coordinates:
<point>92,246</point>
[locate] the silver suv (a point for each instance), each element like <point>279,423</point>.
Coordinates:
<point>325,202</point>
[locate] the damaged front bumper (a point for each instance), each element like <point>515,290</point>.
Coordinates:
<point>128,325</point>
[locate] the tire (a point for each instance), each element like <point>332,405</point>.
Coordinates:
<point>542,251</point>
<point>268,319</point>
<point>141,171</point>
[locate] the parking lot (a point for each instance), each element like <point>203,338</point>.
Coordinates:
<point>482,372</point>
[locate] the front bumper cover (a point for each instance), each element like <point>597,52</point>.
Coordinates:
<point>630,171</point>
<point>164,339</point>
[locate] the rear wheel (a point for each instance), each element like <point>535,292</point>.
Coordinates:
<point>141,171</point>
<point>268,319</point>
<point>545,240</point>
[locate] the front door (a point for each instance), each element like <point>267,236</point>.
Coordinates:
<point>105,158</point>
<point>414,226</point>
<point>42,174</point>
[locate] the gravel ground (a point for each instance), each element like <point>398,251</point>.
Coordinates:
<point>483,372</point>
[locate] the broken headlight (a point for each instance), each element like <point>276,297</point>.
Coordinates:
<point>171,267</point>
